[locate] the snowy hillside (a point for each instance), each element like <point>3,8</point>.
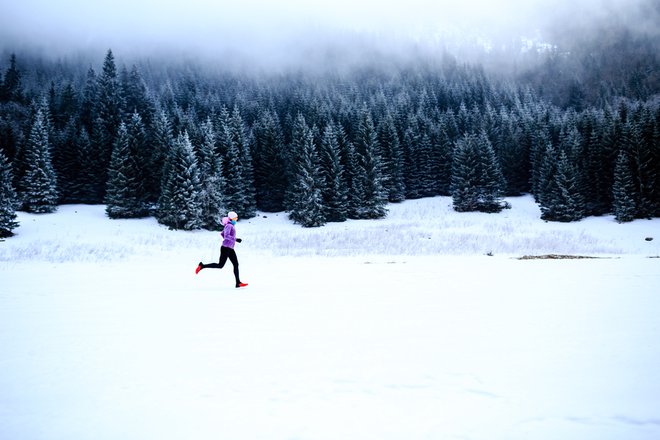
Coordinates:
<point>401,328</point>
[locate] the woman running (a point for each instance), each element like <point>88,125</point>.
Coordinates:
<point>227,250</point>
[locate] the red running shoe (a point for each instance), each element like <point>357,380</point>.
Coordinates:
<point>241,285</point>
<point>199,267</point>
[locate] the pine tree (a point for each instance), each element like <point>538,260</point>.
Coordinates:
<point>38,188</point>
<point>242,142</point>
<point>655,154</point>
<point>88,104</point>
<point>180,204</point>
<point>233,166</point>
<point>67,163</point>
<point>371,179</point>
<point>270,159</point>
<point>304,198</point>
<point>8,136</point>
<point>425,162</point>
<point>575,149</point>
<point>644,174</point>
<point>351,170</point>
<point>465,175</point>
<point>108,114</point>
<point>412,171</point>
<point>597,178</point>
<point>211,179</point>
<point>67,107</point>
<point>355,180</point>
<point>512,154</point>
<point>8,200</point>
<point>623,205</point>
<point>10,87</point>
<point>334,191</point>
<point>650,133</point>
<point>135,95</point>
<point>547,177</point>
<point>162,141</point>
<point>477,183</point>
<point>125,196</point>
<point>567,204</point>
<point>442,160</point>
<point>539,150</point>
<point>492,184</point>
<point>393,160</point>
<point>85,189</point>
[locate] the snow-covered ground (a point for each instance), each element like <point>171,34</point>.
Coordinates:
<point>402,328</point>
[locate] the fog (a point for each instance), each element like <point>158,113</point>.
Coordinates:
<point>279,32</point>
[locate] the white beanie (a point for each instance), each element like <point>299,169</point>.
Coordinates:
<point>232,215</point>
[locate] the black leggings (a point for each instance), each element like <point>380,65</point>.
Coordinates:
<point>225,253</point>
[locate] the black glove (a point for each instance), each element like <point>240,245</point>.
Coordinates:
<point>238,240</point>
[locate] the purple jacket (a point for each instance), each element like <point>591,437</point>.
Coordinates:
<point>228,234</point>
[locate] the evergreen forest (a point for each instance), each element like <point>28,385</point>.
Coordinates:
<point>186,143</point>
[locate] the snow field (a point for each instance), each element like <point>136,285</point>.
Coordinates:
<point>106,332</point>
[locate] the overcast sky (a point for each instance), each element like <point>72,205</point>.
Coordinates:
<point>266,26</point>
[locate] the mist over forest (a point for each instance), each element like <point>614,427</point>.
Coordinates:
<point>336,122</point>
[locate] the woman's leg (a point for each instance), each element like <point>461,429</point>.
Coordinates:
<point>223,259</point>
<point>234,261</point>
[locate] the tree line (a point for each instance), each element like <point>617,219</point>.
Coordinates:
<point>186,145</point>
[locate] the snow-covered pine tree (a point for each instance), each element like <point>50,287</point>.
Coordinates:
<point>369,159</point>
<point>8,201</point>
<point>442,158</point>
<point>67,162</point>
<point>188,122</point>
<point>537,156</point>
<point>425,163</point>
<point>270,159</point>
<point>645,178</point>
<point>649,123</point>
<point>135,95</point>
<point>85,188</point>
<point>108,107</point>
<point>596,177</point>
<point>492,183</point>
<point>351,168</point>
<point>623,190</point>
<point>232,164</point>
<point>88,103</point>
<point>67,104</point>
<point>51,100</point>
<point>546,187</point>
<point>211,179</point>
<point>511,153</point>
<point>393,161</point>
<point>180,204</point>
<point>304,198</point>
<point>566,203</point>
<point>162,140</point>
<point>10,87</point>
<point>38,186</point>
<point>655,151</point>
<point>334,191</point>
<point>463,119</point>
<point>120,192</point>
<point>243,142</point>
<point>464,176</point>
<point>477,182</point>
<point>412,172</point>
<point>125,197</point>
<point>575,149</point>
<point>354,178</point>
